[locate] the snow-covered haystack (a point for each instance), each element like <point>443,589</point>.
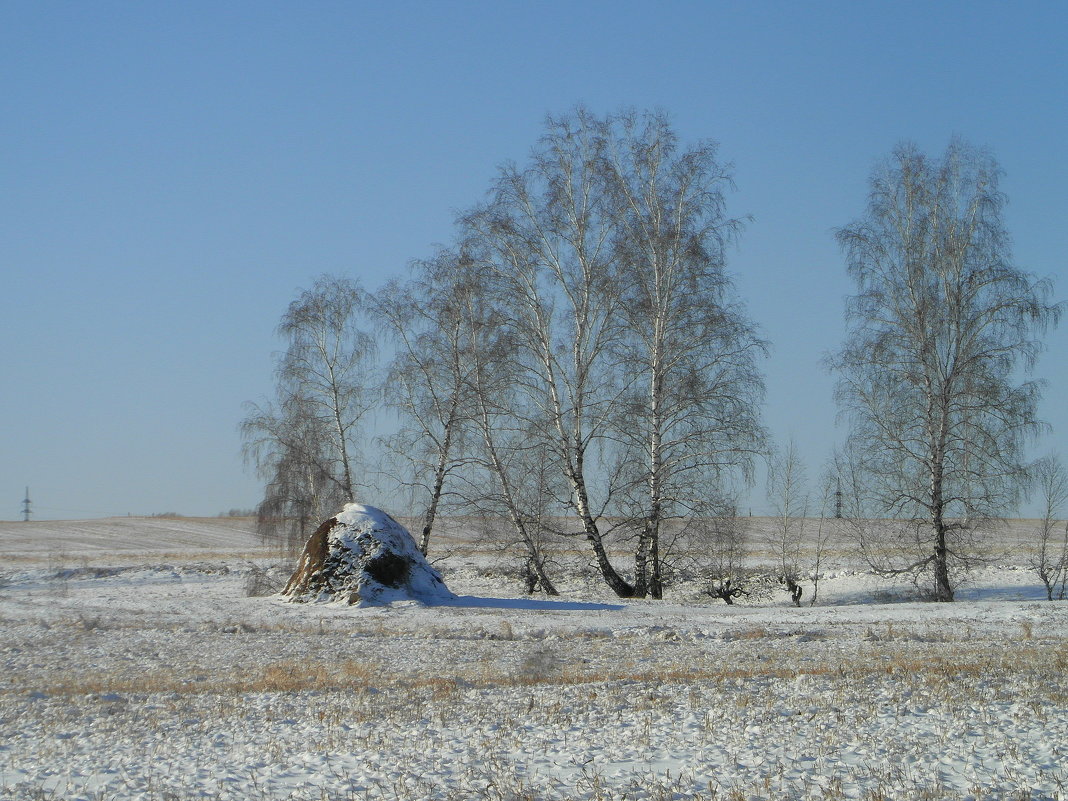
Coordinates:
<point>363,556</point>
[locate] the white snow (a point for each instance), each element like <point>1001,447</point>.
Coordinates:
<point>152,675</point>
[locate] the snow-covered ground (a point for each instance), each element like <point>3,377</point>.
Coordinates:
<point>140,668</point>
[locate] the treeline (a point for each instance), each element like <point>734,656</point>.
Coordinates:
<point>576,363</point>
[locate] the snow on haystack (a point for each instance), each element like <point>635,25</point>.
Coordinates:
<point>363,556</point>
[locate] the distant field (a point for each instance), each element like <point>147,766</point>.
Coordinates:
<point>125,535</point>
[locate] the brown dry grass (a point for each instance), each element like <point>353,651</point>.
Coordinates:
<point>1048,657</point>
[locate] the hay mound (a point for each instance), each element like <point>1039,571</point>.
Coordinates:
<point>363,556</point>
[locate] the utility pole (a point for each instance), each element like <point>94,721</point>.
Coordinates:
<point>26,507</point>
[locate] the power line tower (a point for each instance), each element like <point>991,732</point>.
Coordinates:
<point>838,501</point>
<point>26,507</point>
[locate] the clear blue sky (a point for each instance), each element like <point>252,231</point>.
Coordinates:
<point>172,173</point>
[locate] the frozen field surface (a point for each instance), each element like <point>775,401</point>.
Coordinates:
<point>152,673</point>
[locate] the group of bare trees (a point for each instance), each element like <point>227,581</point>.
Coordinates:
<point>577,364</point>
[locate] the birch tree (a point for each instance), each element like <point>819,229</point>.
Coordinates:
<point>693,419</point>
<point>636,361</point>
<point>788,495</point>
<point>1048,556</point>
<point>327,363</point>
<point>826,524</point>
<point>508,472</point>
<point>290,449</point>
<point>304,444</point>
<point>545,238</point>
<point>429,378</point>
<point>942,325</point>
<point>728,577</point>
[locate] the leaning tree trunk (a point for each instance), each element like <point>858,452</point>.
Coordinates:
<point>537,567</point>
<point>593,535</point>
<point>534,560</point>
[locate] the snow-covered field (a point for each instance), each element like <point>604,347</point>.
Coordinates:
<point>137,666</point>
